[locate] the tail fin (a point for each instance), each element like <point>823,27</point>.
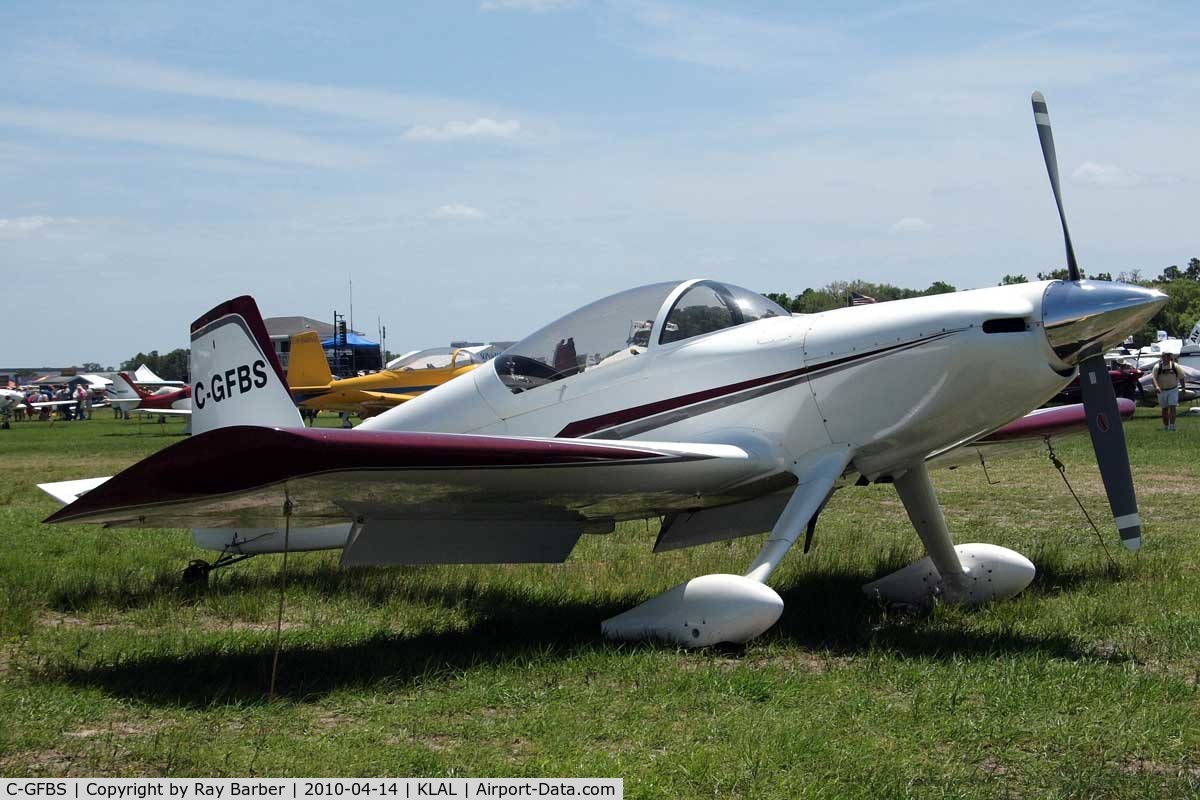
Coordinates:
<point>123,388</point>
<point>236,378</point>
<point>307,365</point>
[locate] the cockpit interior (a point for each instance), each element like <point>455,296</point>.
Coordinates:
<point>623,325</point>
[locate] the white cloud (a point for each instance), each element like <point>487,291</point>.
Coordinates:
<point>16,227</point>
<point>151,76</point>
<point>265,144</point>
<point>482,128</point>
<point>911,225</point>
<point>531,6</point>
<point>717,39</point>
<point>457,211</point>
<point>1105,174</point>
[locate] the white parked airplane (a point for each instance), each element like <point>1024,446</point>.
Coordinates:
<point>128,395</point>
<point>1186,351</point>
<point>698,402</point>
<point>11,399</point>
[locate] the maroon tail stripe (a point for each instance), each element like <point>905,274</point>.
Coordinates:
<point>583,427</point>
<point>245,307</point>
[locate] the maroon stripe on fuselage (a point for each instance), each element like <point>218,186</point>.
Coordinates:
<point>244,307</point>
<point>240,458</point>
<point>583,427</point>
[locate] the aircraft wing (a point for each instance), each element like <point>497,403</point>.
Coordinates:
<point>387,399</point>
<point>164,411</point>
<point>52,403</point>
<point>420,497</point>
<point>1030,432</point>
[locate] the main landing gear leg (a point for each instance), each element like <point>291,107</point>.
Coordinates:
<point>970,574</point>
<point>197,570</point>
<point>735,608</point>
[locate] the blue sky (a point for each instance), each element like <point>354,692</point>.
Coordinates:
<point>480,168</point>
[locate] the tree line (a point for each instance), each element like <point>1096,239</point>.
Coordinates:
<point>1180,284</point>
<point>172,366</point>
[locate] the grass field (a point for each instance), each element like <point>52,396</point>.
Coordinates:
<point>1084,686</point>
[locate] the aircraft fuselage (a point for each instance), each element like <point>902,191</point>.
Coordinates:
<point>899,381</point>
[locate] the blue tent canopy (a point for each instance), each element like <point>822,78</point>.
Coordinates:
<point>353,342</point>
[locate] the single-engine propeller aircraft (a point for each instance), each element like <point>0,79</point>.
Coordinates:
<point>12,400</point>
<point>698,402</point>
<point>128,395</point>
<point>315,389</point>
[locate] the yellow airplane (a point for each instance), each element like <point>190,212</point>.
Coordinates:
<point>315,389</point>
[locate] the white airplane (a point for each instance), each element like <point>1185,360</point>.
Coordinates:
<point>1186,351</point>
<point>144,376</point>
<point>128,395</point>
<point>727,417</point>
<point>11,399</point>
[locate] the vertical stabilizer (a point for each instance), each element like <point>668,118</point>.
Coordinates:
<point>307,365</point>
<point>236,378</point>
<point>123,387</point>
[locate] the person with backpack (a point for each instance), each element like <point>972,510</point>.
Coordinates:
<point>1168,380</point>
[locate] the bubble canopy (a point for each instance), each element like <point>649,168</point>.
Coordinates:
<point>619,326</point>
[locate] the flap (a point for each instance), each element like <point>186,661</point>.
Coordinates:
<point>456,541</point>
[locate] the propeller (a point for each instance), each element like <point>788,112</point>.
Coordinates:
<point>1099,398</point>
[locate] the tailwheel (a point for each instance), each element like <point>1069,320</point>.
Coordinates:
<point>197,569</point>
<point>196,572</point>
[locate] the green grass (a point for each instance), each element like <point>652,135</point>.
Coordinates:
<point>1084,686</point>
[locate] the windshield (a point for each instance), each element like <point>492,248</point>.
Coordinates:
<point>709,306</point>
<point>596,335</point>
<point>433,358</point>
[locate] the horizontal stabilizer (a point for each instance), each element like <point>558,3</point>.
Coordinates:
<point>69,491</point>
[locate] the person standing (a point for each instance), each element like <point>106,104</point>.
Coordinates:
<point>1168,380</point>
<point>80,401</point>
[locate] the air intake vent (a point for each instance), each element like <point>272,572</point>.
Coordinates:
<point>1005,325</point>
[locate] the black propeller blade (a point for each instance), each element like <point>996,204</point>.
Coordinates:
<point>1042,117</point>
<point>1108,439</point>
<point>1099,398</point>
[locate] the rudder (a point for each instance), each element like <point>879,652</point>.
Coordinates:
<point>307,365</point>
<point>236,378</point>
<point>124,388</point>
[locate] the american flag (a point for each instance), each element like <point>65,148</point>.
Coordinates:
<point>860,299</point>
